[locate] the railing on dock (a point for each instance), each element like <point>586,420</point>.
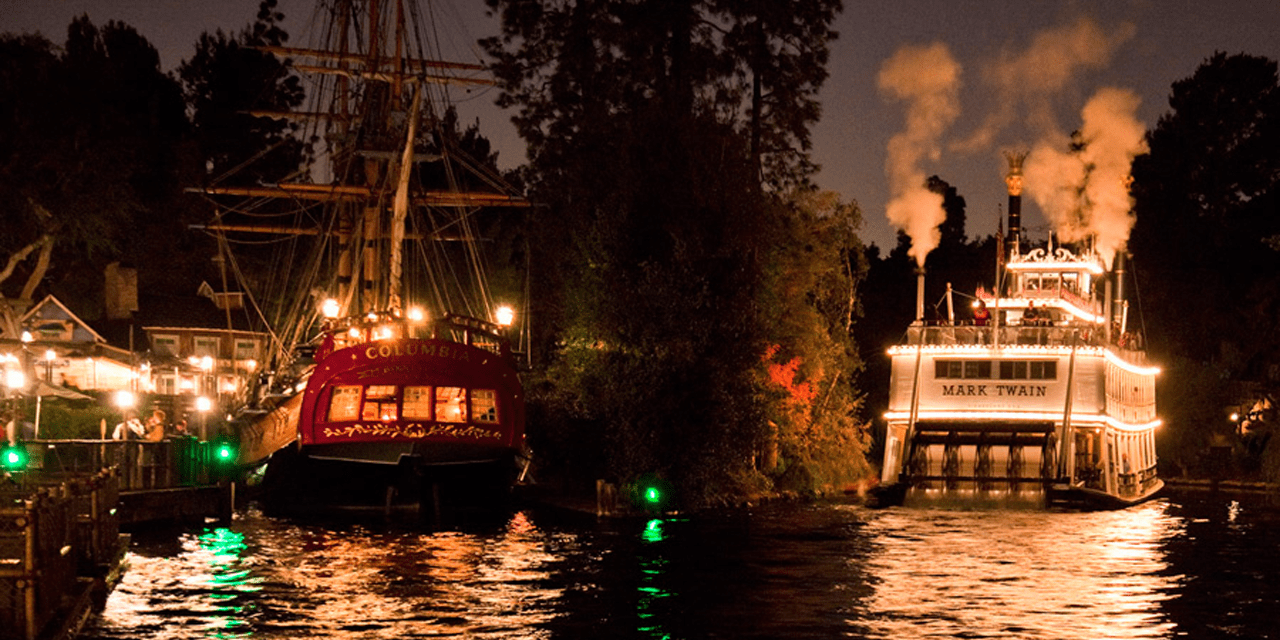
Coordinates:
<point>142,464</point>
<point>56,540</point>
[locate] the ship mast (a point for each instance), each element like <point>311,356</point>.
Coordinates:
<point>400,211</point>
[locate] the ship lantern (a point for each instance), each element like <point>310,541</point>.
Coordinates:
<point>417,315</point>
<point>505,315</point>
<point>330,308</point>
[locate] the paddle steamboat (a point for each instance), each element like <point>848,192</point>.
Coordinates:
<point>1044,398</point>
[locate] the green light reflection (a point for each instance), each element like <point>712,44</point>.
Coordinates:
<point>228,581</point>
<point>652,570</point>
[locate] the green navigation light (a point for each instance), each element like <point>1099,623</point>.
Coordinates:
<point>652,495</point>
<point>224,453</point>
<point>14,458</point>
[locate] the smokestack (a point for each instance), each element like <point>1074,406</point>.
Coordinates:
<point>1117,291</point>
<point>121,291</point>
<point>1013,180</point>
<point>920,294</point>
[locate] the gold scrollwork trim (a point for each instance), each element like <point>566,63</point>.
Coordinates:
<point>412,431</point>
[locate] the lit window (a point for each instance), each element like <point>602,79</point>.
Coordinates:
<point>384,411</point>
<point>417,403</point>
<point>380,391</point>
<point>345,403</point>
<point>451,404</point>
<point>484,405</point>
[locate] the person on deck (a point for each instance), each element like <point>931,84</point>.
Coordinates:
<point>981,316</point>
<point>1030,316</point>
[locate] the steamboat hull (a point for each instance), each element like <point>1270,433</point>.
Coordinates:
<point>1019,417</point>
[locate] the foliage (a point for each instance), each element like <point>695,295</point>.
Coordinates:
<point>665,272</point>
<point>810,307</point>
<point>89,145</point>
<point>73,419</point>
<point>226,80</point>
<point>756,67</point>
<point>1207,199</point>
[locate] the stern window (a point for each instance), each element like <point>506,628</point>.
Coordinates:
<point>417,403</point>
<point>451,404</point>
<point>344,405</point>
<point>484,405</point>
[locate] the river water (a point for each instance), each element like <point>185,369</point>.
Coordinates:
<point>1185,566</point>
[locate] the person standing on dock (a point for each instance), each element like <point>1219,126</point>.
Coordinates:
<point>155,426</point>
<point>129,429</point>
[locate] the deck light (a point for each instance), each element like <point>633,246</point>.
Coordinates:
<point>505,315</point>
<point>416,314</point>
<point>330,308</point>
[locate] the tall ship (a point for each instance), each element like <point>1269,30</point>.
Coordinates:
<point>394,379</point>
<point>1043,398</point>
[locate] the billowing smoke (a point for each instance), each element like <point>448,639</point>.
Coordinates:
<point>1085,192</point>
<point>927,79</point>
<point>1027,83</point>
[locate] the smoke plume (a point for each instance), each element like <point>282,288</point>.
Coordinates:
<point>1026,83</point>
<point>927,79</point>
<point>1086,192</point>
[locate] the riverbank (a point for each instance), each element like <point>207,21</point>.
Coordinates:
<point>1223,486</point>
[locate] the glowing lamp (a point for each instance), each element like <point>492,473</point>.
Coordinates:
<point>416,314</point>
<point>353,333</point>
<point>203,404</point>
<point>124,399</point>
<point>27,337</point>
<point>505,315</point>
<point>50,355</point>
<point>1235,417</point>
<point>15,379</point>
<point>206,363</point>
<point>329,308</point>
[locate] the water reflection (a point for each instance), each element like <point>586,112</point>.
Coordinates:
<point>1040,575</point>
<point>651,590</point>
<point>268,578</point>
<point>1166,569</point>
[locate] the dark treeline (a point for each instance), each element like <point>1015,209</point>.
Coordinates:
<point>703,312</point>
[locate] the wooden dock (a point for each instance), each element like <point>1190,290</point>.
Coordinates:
<point>62,549</point>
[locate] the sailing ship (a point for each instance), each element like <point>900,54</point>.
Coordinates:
<point>394,376</point>
<point>1045,398</point>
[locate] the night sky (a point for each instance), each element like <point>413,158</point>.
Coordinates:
<point>1148,44</point>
